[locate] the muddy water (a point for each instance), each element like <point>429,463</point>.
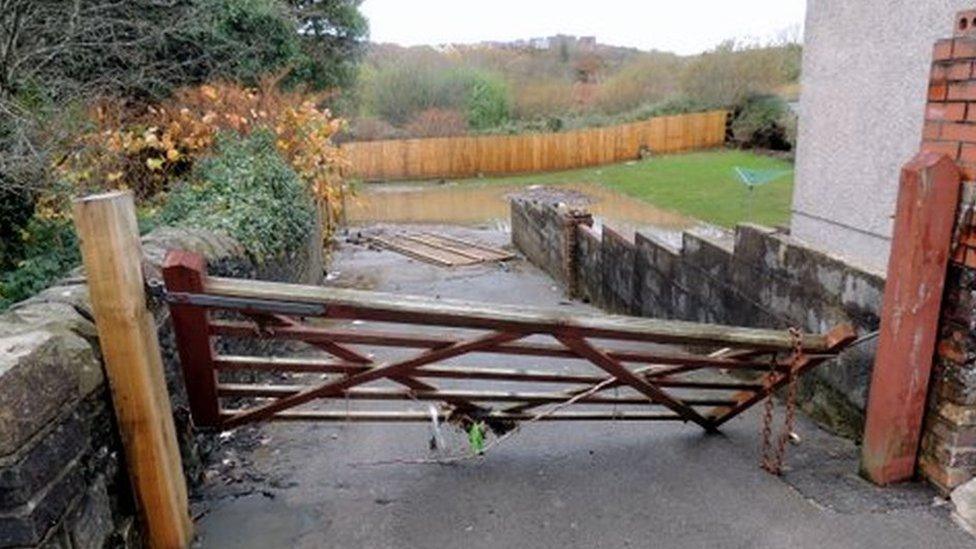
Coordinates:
<point>487,204</point>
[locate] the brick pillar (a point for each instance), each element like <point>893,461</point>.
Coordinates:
<point>948,449</point>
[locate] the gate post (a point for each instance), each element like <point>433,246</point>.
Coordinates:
<point>928,196</point>
<point>112,255</point>
<point>186,272</point>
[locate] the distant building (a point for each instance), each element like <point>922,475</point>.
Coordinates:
<point>539,43</point>
<point>864,83</point>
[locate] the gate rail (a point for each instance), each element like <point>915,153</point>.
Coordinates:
<point>275,311</point>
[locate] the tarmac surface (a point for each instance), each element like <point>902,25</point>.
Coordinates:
<point>552,485</point>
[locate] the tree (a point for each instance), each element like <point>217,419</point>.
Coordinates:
<point>334,34</point>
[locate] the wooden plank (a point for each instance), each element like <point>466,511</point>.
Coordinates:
<point>112,254</point>
<point>286,364</point>
<point>928,197</point>
<point>279,391</point>
<point>435,258</point>
<point>358,304</point>
<point>496,253</point>
<point>475,258</point>
<point>424,416</point>
<point>387,339</point>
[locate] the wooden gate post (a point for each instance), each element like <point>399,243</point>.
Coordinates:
<point>928,196</point>
<point>112,254</point>
<point>185,271</point>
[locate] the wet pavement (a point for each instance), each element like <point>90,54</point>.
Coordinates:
<point>553,485</point>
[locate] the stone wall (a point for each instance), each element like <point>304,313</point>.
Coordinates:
<point>62,480</point>
<point>753,276</point>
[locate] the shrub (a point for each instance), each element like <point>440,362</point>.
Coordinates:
<point>149,151</point>
<point>437,123</point>
<point>370,128</point>
<point>487,101</point>
<point>763,121</point>
<point>49,248</point>
<point>649,78</point>
<point>247,190</point>
<point>537,99</point>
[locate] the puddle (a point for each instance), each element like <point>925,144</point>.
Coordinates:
<point>487,204</point>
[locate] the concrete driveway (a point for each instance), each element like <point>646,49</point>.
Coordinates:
<point>555,485</point>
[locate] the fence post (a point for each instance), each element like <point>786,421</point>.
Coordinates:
<point>928,196</point>
<point>112,255</point>
<point>186,272</point>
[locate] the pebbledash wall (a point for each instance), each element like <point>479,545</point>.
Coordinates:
<point>754,276</point>
<point>62,480</point>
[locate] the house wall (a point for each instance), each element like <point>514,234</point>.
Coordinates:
<point>864,80</point>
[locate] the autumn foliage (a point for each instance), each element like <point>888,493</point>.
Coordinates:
<point>149,149</point>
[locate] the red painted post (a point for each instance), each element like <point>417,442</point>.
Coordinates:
<point>186,272</point>
<point>928,196</point>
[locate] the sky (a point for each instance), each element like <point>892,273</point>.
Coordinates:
<point>681,26</point>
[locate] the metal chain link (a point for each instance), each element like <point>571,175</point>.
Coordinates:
<point>772,459</point>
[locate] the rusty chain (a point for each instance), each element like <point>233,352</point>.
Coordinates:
<point>772,458</point>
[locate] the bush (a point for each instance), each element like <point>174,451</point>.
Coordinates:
<point>149,151</point>
<point>369,128</point>
<point>49,248</point>
<point>487,101</point>
<point>437,123</point>
<point>764,121</point>
<point>247,190</point>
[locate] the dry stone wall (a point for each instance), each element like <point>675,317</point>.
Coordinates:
<point>62,480</point>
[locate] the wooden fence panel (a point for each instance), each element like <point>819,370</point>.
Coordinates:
<point>503,154</point>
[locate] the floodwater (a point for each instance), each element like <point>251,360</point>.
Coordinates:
<point>487,205</point>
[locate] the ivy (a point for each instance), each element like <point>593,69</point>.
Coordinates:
<point>248,191</point>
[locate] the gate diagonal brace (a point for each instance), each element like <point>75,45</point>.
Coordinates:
<point>470,411</point>
<point>583,348</point>
<point>335,388</point>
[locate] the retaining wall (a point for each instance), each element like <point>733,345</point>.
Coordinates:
<point>753,276</point>
<point>62,480</point>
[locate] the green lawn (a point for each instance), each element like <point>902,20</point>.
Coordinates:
<point>702,185</point>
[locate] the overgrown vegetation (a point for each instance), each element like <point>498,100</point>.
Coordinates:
<point>565,85</point>
<point>247,190</point>
<point>107,94</point>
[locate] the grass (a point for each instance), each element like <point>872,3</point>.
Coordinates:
<point>702,185</point>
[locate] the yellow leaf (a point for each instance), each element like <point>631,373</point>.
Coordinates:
<point>154,164</point>
<point>172,155</point>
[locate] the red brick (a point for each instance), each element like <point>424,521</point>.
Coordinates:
<point>948,112</point>
<point>943,50</point>
<point>931,131</point>
<point>963,48</point>
<point>960,70</point>
<point>959,132</point>
<point>939,73</point>
<point>938,91</point>
<point>942,147</point>
<point>961,91</point>
<point>968,171</point>
<point>968,153</point>
<point>971,112</point>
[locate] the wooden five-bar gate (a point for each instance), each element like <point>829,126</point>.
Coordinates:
<point>205,309</point>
